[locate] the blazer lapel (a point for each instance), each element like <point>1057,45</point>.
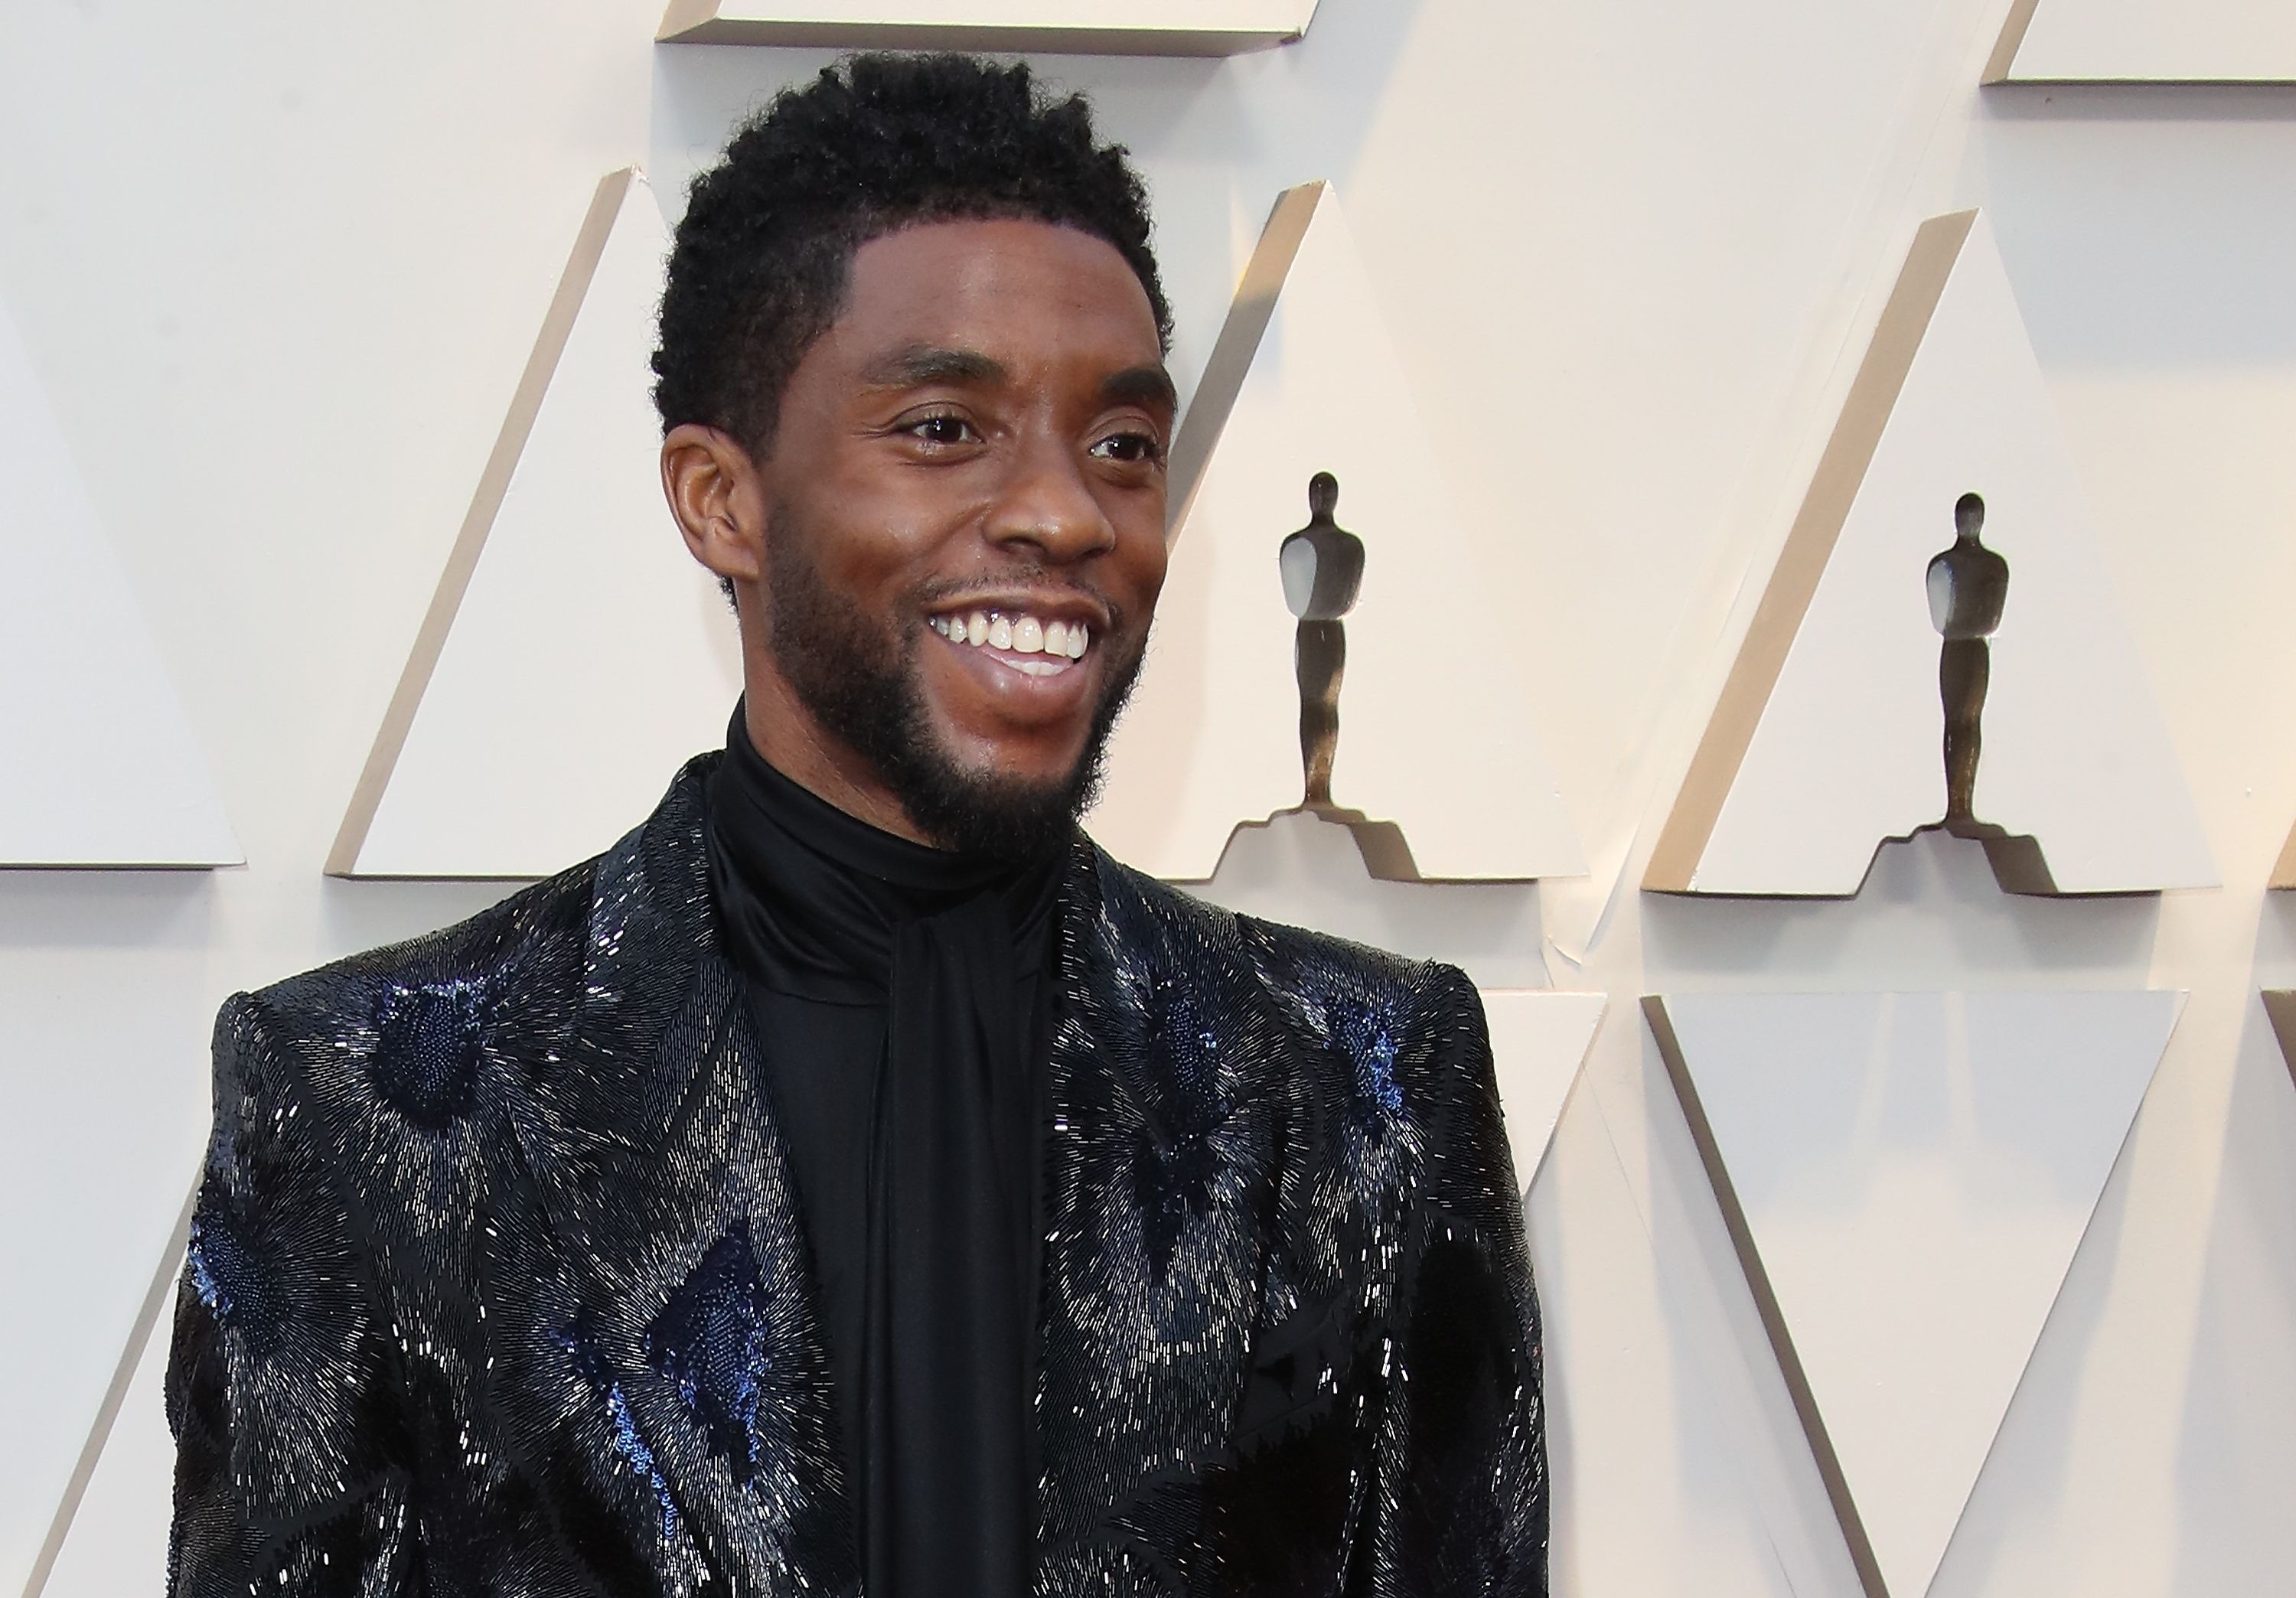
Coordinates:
<point>1173,1101</point>
<point>661,1300</point>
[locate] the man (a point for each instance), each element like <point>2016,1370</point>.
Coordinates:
<point>853,1181</point>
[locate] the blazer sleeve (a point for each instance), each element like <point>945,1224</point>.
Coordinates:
<point>280,1388</point>
<point>1461,1451</point>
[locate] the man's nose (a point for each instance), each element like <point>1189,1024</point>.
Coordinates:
<point>1048,503</point>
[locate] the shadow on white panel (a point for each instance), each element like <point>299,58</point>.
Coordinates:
<point>2145,41</point>
<point>1939,643</point>
<point>1907,1177</point>
<point>1067,27</point>
<point>574,655</point>
<point>98,766</point>
<point>1539,1040</point>
<point>1435,770</point>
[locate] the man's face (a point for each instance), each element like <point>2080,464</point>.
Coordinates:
<point>963,531</point>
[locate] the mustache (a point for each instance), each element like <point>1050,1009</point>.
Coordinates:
<point>1020,587</point>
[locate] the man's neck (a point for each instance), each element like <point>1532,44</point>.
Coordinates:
<point>788,738</point>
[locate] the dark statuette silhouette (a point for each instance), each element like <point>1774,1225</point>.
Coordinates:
<point>1968,587</point>
<point>1323,567</point>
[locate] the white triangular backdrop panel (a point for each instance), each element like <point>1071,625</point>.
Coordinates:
<point>2148,41</point>
<point>1847,750</point>
<point>1915,1172</point>
<point>590,655</point>
<point>1540,1039</point>
<point>116,1543</point>
<point>1212,738</point>
<point>98,766</point>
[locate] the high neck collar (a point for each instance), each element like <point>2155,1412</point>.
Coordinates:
<point>809,897</point>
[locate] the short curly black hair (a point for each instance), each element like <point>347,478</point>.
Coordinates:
<point>876,142</point>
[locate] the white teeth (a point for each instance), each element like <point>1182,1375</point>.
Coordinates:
<point>1063,640</point>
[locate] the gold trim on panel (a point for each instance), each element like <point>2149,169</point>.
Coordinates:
<point>2280,1010</point>
<point>685,17</point>
<point>2012,40</point>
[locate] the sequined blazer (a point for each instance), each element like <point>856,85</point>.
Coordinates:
<point>496,1285</point>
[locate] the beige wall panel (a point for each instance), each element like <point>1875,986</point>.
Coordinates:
<point>1173,27</point>
<point>1826,740</point>
<point>1435,715</point>
<point>2145,41</point>
<point>1907,1177</point>
<point>574,655</point>
<point>98,766</point>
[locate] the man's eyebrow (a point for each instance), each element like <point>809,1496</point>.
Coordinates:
<point>1150,386</point>
<point>920,365</point>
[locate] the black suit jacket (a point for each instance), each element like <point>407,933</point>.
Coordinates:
<point>496,1285</point>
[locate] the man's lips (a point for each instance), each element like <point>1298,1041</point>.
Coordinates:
<point>1034,672</point>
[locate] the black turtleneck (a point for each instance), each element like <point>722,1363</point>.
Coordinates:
<point>902,998</point>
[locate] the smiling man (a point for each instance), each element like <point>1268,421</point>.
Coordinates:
<point>853,1181</point>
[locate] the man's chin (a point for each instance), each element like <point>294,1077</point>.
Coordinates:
<point>1001,820</point>
<point>968,784</point>
<point>979,803</point>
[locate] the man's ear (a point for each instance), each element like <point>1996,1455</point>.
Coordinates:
<point>718,494</point>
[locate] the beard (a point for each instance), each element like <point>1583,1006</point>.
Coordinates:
<point>861,683</point>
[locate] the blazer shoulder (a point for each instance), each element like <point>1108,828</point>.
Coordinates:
<point>1300,969</point>
<point>327,1084</point>
<point>1132,901</point>
<point>476,950</point>
<point>506,971</point>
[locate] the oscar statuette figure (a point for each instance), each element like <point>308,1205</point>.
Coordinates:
<point>1968,587</point>
<point>1323,567</point>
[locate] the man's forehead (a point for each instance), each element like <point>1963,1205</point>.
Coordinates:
<point>1008,291</point>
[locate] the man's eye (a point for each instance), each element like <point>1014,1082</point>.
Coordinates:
<point>942,429</point>
<point>1130,449</point>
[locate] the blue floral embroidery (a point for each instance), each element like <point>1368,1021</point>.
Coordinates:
<point>589,1362</point>
<point>427,1046</point>
<point>709,1342</point>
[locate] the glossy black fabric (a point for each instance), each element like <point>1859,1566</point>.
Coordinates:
<point>898,992</point>
<point>496,1285</point>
